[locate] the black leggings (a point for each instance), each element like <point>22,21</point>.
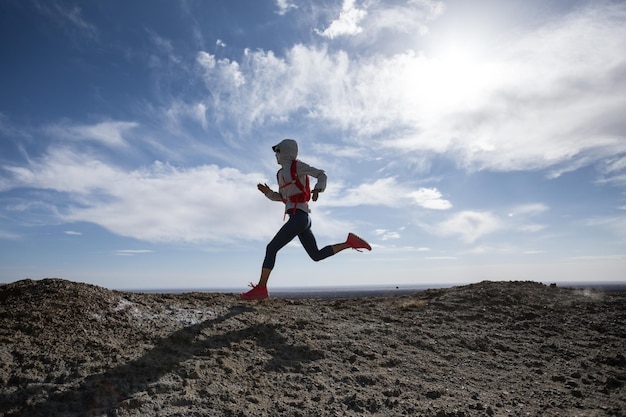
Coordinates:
<point>299,224</point>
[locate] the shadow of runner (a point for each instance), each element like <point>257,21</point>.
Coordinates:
<point>104,391</point>
<point>285,356</point>
<point>100,394</point>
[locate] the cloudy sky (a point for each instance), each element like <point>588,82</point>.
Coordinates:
<point>464,140</point>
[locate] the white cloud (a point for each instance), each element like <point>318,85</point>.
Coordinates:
<point>551,99</point>
<point>613,171</point>
<point>519,217</point>
<point>284,6</point>
<point>199,114</point>
<point>335,150</point>
<point>347,23</point>
<point>222,72</point>
<point>615,225</point>
<point>387,234</point>
<point>156,203</point>
<point>110,133</point>
<point>206,60</point>
<point>8,129</point>
<point>369,21</point>
<point>528,209</point>
<point>618,257</point>
<point>203,203</point>
<point>164,47</point>
<point>468,225</point>
<point>8,235</point>
<point>532,228</point>
<point>618,180</point>
<point>471,226</point>
<point>615,164</point>
<point>411,18</point>
<point>197,204</point>
<point>74,15</point>
<point>63,15</point>
<point>388,193</point>
<point>132,252</point>
<point>64,170</point>
<point>72,233</point>
<point>179,112</point>
<point>430,198</point>
<point>382,192</point>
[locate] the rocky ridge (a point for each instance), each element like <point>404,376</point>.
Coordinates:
<point>486,349</point>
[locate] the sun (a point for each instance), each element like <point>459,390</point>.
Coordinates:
<point>458,77</point>
<point>449,77</point>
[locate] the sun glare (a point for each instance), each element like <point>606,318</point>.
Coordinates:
<point>450,78</point>
<point>457,79</point>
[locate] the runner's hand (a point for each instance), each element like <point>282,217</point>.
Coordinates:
<point>264,188</point>
<point>315,194</point>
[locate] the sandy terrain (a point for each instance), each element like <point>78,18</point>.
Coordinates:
<point>488,349</point>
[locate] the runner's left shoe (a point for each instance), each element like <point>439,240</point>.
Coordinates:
<point>256,293</point>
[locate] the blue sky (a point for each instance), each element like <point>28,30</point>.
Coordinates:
<point>464,140</point>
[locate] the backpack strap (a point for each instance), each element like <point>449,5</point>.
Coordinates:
<point>305,189</point>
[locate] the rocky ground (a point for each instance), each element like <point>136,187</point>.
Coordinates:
<point>488,349</point>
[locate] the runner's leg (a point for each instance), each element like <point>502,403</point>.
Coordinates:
<point>297,222</point>
<point>310,245</point>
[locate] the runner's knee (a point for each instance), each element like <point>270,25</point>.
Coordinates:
<point>316,257</point>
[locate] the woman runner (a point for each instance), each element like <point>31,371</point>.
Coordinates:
<point>293,190</point>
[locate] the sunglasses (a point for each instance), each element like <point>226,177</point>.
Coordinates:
<point>276,149</point>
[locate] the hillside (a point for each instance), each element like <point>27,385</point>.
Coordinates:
<point>487,349</point>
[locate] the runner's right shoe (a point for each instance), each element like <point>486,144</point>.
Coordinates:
<point>357,243</point>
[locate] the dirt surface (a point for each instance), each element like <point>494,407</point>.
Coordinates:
<point>487,349</point>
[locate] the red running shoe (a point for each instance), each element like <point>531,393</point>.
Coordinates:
<point>357,243</point>
<point>256,293</point>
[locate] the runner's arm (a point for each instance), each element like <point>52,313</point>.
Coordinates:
<point>304,168</point>
<point>269,193</point>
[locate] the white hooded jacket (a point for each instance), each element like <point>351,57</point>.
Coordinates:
<point>287,153</point>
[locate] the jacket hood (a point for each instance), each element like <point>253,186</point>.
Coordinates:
<point>287,151</point>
